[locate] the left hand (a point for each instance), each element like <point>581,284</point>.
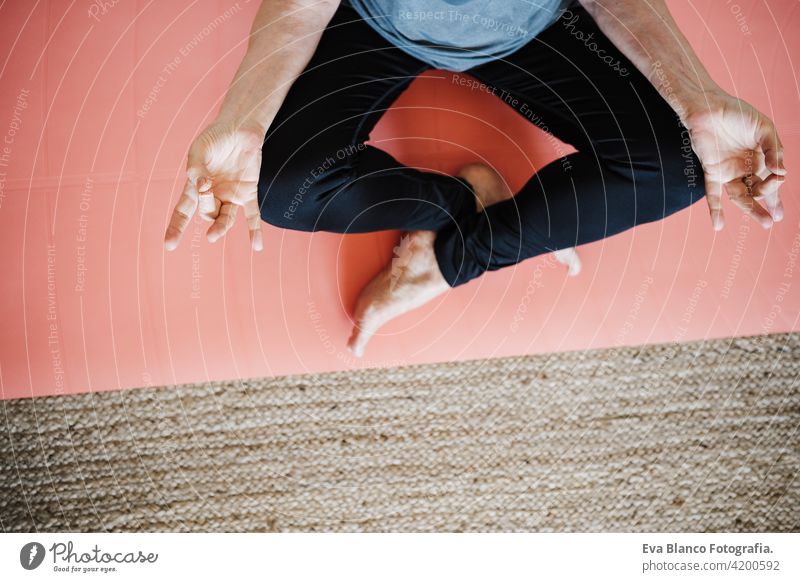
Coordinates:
<point>741,154</point>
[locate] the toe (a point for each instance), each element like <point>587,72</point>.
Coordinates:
<point>362,332</point>
<point>569,257</point>
<point>575,267</point>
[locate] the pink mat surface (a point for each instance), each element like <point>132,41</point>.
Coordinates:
<point>98,107</point>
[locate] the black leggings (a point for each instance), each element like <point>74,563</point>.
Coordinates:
<point>634,162</point>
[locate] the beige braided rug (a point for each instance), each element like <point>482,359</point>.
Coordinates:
<point>692,437</point>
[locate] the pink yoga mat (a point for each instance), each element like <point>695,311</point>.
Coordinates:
<point>97,110</point>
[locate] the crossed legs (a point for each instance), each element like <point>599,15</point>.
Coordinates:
<point>634,163</point>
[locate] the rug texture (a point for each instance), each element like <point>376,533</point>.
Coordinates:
<point>691,437</point>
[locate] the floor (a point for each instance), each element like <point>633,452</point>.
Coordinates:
<point>699,436</point>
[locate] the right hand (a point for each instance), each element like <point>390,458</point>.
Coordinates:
<point>222,174</point>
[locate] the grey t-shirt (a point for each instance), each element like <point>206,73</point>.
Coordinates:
<point>459,34</point>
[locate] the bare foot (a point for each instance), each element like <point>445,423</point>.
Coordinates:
<point>570,258</point>
<point>489,186</point>
<point>409,281</point>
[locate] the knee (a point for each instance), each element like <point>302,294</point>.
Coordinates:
<point>297,188</point>
<point>285,209</point>
<point>667,174</point>
<point>681,172</point>
<point>289,199</point>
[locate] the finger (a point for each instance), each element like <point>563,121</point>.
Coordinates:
<point>223,222</point>
<point>739,195</point>
<point>197,159</point>
<point>773,148</point>
<point>203,185</point>
<point>208,206</point>
<point>761,170</point>
<point>253,215</point>
<point>714,199</point>
<point>767,190</point>
<point>181,216</point>
<point>238,193</point>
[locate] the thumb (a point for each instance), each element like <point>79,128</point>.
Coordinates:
<point>714,191</point>
<point>772,147</point>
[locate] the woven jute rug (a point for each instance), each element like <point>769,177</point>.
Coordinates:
<point>693,437</point>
